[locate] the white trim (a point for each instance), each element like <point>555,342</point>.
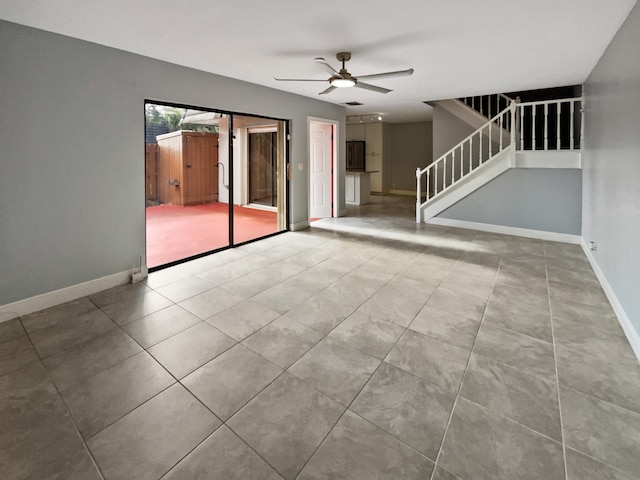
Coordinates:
<point>625,322</point>
<point>548,159</point>
<point>294,227</point>
<point>503,229</point>
<point>63,295</point>
<point>409,193</point>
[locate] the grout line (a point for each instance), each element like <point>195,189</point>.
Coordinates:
<point>555,362</point>
<point>455,403</point>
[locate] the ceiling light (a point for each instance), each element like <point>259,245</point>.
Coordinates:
<point>379,118</point>
<point>342,82</point>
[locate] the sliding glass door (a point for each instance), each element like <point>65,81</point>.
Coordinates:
<point>213,180</point>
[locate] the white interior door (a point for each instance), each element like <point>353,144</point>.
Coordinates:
<point>320,163</point>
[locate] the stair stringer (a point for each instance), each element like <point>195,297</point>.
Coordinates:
<point>497,165</point>
<point>474,119</point>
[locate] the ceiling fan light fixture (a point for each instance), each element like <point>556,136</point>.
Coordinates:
<point>342,82</point>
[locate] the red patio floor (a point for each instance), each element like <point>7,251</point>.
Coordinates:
<point>174,232</point>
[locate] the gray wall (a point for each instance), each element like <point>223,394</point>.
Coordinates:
<point>536,199</point>
<point>72,152</point>
<point>410,147</point>
<point>611,158</point>
<point>448,130</point>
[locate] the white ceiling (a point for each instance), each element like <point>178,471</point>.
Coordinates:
<point>457,47</point>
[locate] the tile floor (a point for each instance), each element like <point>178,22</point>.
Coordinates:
<point>364,348</point>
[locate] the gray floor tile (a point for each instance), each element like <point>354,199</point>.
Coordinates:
<point>588,294</point>
<point>366,333</point>
<point>482,273</point>
<point>441,474</point>
<point>72,466</point>
<point>446,326</point>
<point>398,302</point>
<point>587,279</point>
<point>517,350</point>
<point>588,315</point>
<point>233,270</point>
<point>283,341</point>
<point>466,284</point>
<point>150,440</point>
<point>58,314</point>
<point>410,408</point>
<point>10,330</point>
<point>606,345</point>
<point>480,445</point>
<point>87,359</point>
<point>286,422</point>
<point>107,396</point>
<point>36,427</point>
<point>15,354</point>
<point>243,319</point>
<point>323,312</point>
<point>158,326</point>
<point>569,263</point>
<point>601,430</point>
<point>230,380</point>
<point>255,282</point>
<point>336,369</point>
<point>523,398</point>
<point>613,382</point>
<point>166,276</point>
<point>435,361</point>
<point>191,348</point>
<point>459,303</point>
<point>207,304</point>
<point>357,450</point>
<point>560,250</point>
<point>185,288</point>
<point>222,456</point>
<point>71,332</point>
<point>129,310</point>
<point>520,318</point>
<point>582,467</point>
<point>282,297</point>
<point>122,294</point>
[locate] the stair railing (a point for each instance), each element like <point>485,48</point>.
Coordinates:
<point>550,125</point>
<point>466,157</point>
<point>487,104</point>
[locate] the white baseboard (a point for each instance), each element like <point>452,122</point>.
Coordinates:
<point>294,227</point>
<point>57,297</point>
<point>625,322</point>
<point>409,193</point>
<point>515,231</point>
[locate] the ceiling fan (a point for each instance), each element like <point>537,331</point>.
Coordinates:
<point>343,79</point>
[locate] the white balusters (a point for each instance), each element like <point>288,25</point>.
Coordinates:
<point>558,110</point>
<point>546,126</point>
<point>571,113</point>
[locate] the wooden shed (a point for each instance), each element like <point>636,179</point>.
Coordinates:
<point>187,168</point>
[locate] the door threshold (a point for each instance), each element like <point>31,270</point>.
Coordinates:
<point>257,206</point>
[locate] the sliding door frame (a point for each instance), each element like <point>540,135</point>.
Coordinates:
<point>287,187</point>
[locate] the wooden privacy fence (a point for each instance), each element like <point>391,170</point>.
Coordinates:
<point>151,171</point>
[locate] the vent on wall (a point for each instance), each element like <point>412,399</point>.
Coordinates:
<point>354,104</point>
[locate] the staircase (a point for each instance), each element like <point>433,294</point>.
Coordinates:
<point>545,134</point>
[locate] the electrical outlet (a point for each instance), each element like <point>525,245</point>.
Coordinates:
<point>593,246</point>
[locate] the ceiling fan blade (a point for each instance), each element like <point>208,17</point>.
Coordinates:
<point>326,66</point>
<point>298,80</point>
<point>328,90</point>
<point>398,73</point>
<point>373,88</point>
